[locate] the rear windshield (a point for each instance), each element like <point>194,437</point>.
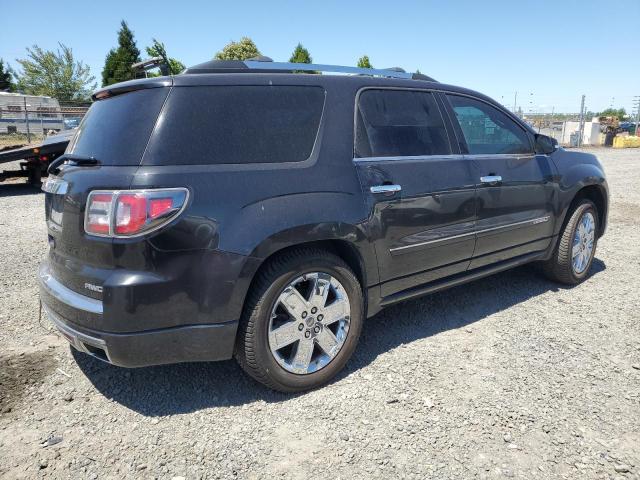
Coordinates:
<point>116,130</point>
<point>237,124</point>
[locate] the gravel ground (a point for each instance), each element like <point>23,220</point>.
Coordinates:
<point>511,376</point>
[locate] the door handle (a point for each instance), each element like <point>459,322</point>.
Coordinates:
<point>491,179</point>
<point>387,189</point>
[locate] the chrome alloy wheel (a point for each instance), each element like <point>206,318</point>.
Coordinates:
<point>583,240</point>
<point>309,323</point>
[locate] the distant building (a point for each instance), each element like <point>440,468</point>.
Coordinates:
<point>44,113</point>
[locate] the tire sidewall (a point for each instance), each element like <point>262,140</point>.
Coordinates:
<point>584,207</point>
<point>291,381</point>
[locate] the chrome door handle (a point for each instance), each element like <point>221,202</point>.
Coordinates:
<point>385,189</point>
<point>491,179</point>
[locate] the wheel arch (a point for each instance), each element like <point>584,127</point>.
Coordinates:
<point>597,193</point>
<point>346,241</point>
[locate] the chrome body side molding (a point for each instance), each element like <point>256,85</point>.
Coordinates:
<point>534,221</point>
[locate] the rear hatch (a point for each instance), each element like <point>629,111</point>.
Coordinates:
<point>113,134</point>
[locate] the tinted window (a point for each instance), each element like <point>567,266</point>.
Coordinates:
<point>116,130</point>
<point>486,129</point>
<point>393,123</point>
<point>237,124</point>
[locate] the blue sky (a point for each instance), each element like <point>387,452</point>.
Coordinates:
<point>550,52</point>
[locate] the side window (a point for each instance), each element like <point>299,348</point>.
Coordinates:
<point>486,129</point>
<point>400,123</point>
<point>236,124</point>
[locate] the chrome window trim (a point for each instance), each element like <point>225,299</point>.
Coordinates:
<point>409,158</point>
<point>533,221</point>
<point>66,295</point>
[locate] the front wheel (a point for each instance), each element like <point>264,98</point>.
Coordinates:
<point>576,246</point>
<point>302,321</point>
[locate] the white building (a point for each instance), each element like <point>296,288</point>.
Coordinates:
<point>590,133</point>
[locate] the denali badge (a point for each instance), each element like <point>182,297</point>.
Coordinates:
<point>93,288</point>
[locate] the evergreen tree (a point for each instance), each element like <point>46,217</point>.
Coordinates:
<point>242,50</point>
<point>300,55</point>
<point>158,50</point>
<point>6,83</point>
<point>363,62</point>
<point>117,65</point>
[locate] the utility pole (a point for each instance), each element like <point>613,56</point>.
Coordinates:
<point>581,122</point>
<point>636,101</point>
<point>515,102</point>
<point>26,118</point>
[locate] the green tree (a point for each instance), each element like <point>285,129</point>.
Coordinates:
<point>363,62</point>
<point>242,50</point>
<point>55,74</point>
<point>300,55</point>
<point>158,50</point>
<point>117,64</point>
<point>6,82</point>
<point>619,113</point>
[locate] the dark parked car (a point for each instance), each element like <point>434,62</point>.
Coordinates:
<point>242,209</point>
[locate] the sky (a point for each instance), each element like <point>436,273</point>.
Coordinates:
<point>549,52</point>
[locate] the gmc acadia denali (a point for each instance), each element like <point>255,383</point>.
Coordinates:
<point>246,209</point>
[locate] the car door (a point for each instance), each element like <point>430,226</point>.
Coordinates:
<point>515,193</point>
<point>419,190</point>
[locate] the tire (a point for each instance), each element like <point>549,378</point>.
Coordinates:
<point>560,267</point>
<point>264,306</point>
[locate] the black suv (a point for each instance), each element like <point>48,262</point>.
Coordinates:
<point>246,209</point>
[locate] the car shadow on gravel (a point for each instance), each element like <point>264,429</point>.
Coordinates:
<point>18,190</point>
<point>184,388</point>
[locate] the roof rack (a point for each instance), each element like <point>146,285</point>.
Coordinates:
<point>266,65</point>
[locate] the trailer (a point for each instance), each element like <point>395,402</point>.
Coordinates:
<point>35,158</point>
<point>35,114</point>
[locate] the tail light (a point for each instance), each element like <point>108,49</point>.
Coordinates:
<point>128,213</point>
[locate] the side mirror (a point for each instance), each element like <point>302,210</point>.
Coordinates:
<point>545,144</point>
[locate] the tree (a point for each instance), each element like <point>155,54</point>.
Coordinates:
<point>158,50</point>
<point>117,64</point>
<point>300,55</point>
<point>242,50</point>
<point>363,62</point>
<point>619,113</point>
<point>55,74</point>
<point>6,83</point>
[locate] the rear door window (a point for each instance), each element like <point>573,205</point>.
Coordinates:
<point>487,130</point>
<point>236,125</point>
<point>392,123</point>
<point>116,130</point>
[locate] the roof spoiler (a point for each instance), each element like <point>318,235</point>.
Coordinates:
<point>130,86</point>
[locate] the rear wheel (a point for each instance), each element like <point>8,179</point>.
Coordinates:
<point>576,246</point>
<point>302,321</point>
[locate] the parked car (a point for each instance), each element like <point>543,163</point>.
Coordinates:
<point>71,123</point>
<point>244,210</point>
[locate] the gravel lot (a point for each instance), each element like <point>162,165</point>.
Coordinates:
<point>511,376</point>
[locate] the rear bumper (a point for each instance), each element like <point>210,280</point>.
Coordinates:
<point>189,343</point>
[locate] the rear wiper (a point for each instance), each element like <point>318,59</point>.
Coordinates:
<point>72,159</point>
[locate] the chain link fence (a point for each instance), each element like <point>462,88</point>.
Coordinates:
<point>21,124</point>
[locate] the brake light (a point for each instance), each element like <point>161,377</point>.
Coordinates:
<point>126,213</point>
